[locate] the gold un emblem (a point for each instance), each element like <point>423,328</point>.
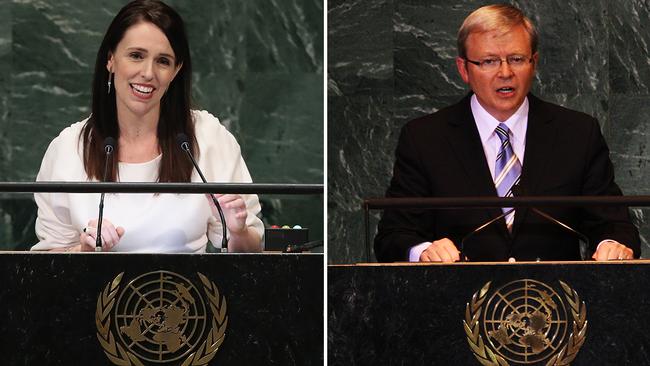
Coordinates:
<point>525,322</point>
<point>161,318</point>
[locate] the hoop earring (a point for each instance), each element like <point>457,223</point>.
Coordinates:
<point>110,76</point>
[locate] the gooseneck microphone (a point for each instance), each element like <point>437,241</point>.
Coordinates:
<point>184,143</point>
<point>109,147</point>
<point>518,191</point>
<point>476,231</point>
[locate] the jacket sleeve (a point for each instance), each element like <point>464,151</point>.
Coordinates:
<point>613,222</point>
<point>401,229</point>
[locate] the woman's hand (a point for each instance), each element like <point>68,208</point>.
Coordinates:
<point>110,236</point>
<point>242,239</point>
<point>234,211</point>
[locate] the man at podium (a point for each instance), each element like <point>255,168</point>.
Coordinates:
<point>500,140</point>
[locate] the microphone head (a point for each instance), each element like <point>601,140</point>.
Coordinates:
<point>183,141</point>
<point>109,144</point>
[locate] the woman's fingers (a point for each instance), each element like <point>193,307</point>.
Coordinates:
<point>110,234</point>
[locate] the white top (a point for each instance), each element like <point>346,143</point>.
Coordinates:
<point>163,223</point>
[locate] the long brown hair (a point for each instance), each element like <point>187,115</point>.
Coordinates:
<point>175,114</point>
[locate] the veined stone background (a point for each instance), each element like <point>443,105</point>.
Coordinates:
<point>258,66</point>
<point>390,61</point>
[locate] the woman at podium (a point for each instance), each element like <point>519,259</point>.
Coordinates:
<point>141,99</point>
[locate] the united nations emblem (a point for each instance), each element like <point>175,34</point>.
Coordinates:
<point>525,322</point>
<point>161,318</point>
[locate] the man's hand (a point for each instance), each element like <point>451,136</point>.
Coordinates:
<point>612,250</point>
<point>442,250</point>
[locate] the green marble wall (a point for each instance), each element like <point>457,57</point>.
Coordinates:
<point>258,66</point>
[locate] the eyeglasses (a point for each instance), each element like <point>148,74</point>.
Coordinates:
<point>494,63</point>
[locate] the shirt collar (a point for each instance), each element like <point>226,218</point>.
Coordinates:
<point>486,123</point>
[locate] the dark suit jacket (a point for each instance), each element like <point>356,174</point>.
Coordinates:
<point>441,155</point>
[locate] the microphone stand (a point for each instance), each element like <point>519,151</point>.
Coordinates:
<point>477,230</point>
<point>185,146</point>
<point>109,142</point>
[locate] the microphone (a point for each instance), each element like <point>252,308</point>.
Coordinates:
<point>109,147</point>
<point>184,143</point>
<point>518,190</point>
<point>476,231</point>
<point>299,248</point>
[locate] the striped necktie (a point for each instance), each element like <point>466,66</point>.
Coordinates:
<point>508,170</point>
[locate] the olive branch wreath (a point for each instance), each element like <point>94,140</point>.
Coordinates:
<point>579,332</point>
<point>121,357</point>
<point>487,357</point>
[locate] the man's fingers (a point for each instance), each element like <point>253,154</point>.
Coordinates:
<point>452,253</point>
<point>442,250</point>
<point>443,253</point>
<point>424,257</point>
<point>434,256</point>
<point>612,251</point>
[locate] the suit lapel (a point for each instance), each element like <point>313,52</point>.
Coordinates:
<point>541,135</point>
<point>466,145</point>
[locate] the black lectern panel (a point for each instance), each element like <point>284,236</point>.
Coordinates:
<point>503,314</point>
<point>144,309</point>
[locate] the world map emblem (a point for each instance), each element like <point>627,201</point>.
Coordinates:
<point>525,322</point>
<point>161,318</point>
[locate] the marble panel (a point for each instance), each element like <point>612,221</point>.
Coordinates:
<point>572,45</point>
<point>215,43</point>
<point>361,143</point>
<point>281,134</point>
<point>281,121</point>
<point>222,94</point>
<point>571,42</point>
<point>629,145</point>
<point>61,99</point>
<point>60,37</point>
<point>6,59</point>
<point>285,36</point>
<point>17,219</point>
<point>360,40</point>
<point>629,46</point>
<point>425,48</point>
<point>628,149</point>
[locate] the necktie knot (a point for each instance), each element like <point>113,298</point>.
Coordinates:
<point>503,132</point>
